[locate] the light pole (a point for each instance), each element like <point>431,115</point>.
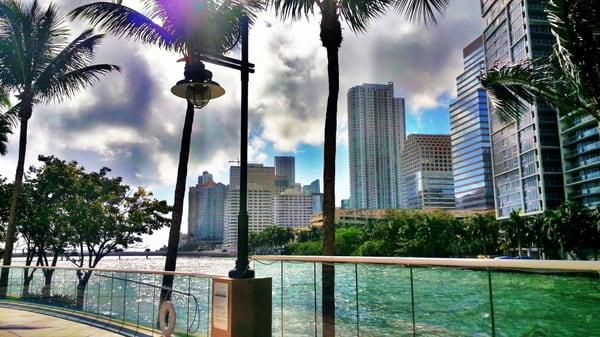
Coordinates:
<point>198,88</point>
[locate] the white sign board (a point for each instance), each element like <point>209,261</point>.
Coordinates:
<point>221,306</point>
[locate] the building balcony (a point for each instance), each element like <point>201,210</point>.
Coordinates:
<point>583,149</point>
<point>586,192</point>
<point>578,123</point>
<point>583,164</point>
<point>584,178</point>
<point>584,135</point>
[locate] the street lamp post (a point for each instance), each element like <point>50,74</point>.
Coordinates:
<point>199,88</point>
<point>241,305</point>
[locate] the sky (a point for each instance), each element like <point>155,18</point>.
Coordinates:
<point>131,122</point>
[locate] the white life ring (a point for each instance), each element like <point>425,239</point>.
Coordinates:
<point>167,311</point>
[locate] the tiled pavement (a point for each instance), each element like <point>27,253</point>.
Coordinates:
<point>29,324</point>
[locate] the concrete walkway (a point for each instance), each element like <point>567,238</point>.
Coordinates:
<point>28,324</point>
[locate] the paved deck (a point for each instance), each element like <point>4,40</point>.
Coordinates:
<point>29,324</point>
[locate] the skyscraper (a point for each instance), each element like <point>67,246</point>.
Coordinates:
<point>313,188</point>
<point>526,154</point>
<point>293,209</point>
<point>258,174</point>
<point>285,169</point>
<point>427,178</point>
<point>470,129</point>
<point>206,209</point>
<point>260,212</point>
<point>376,131</point>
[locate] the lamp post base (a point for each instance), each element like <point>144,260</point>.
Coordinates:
<point>241,308</point>
<point>241,273</point>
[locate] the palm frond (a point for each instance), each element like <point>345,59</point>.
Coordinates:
<point>4,98</point>
<point>421,10</point>
<point>511,88</point>
<point>77,54</point>
<point>66,85</point>
<point>122,21</point>
<point>359,13</point>
<point>13,114</point>
<point>5,130</point>
<point>293,9</point>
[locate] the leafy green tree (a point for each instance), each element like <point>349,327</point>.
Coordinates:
<point>39,65</point>
<point>306,248</point>
<point>357,14</point>
<point>42,222</point>
<point>314,233</point>
<point>374,248</point>
<point>515,232</point>
<point>271,239</point>
<point>569,80</point>
<point>347,240</point>
<point>105,214</point>
<point>481,235</point>
<point>575,228</point>
<point>182,26</point>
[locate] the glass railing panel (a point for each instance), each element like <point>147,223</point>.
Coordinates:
<point>530,304</point>
<point>451,302</point>
<point>384,297</point>
<point>273,269</point>
<point>299,299</point>
<point>347,322</point>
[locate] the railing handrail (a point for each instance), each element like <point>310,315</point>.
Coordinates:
<point>123,271</point>
<point>516,264</point>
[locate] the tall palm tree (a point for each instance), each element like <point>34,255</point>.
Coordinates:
<point>39,65</point>
<point>568,80</point>
<point>185,27</point>
<point>357,14</point>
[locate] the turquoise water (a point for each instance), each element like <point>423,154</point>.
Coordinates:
<point>448,302</point>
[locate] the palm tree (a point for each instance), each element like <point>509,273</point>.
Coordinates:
<point>39,66</point>
<point>568,80</point>
<point>357,14</point>
<point>181,26</point>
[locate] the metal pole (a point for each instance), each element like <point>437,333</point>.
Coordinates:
<point>491,293</point>
<point>357,300</point>
<point>242,265</point>
<point>412,301</point>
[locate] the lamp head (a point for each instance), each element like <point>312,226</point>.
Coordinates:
<point>197,87</point>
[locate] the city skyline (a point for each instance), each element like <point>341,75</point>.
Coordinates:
<point>137,137</point>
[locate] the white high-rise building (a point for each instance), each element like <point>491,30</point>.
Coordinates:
<point>376,131</point>
<point>260,212</point>
<point>293,209</point>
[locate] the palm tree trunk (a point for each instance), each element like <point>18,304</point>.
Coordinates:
<point>184,156</point>
<point>12,218</point>
<point>331,35</point>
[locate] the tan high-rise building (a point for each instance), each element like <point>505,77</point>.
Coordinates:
<point>427,178</point>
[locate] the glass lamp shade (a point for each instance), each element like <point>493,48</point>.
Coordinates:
<point>198,93</point>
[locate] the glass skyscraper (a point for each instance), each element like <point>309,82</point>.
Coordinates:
<point>470,130</point>
<point>526,154</point>
<point>376,131</point>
